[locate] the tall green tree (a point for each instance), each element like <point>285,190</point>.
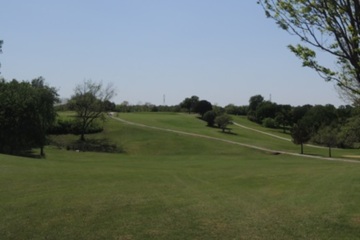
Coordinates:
<point>300,134</point>
<point>327,136</point>
<point>319,116</point>
<point>45,99</point>
<point>283,116</point>
<point>89,103</point>
<point>202,107</point>
<point>16,114</point>
<point>209,117</point>
<point>190,103</point>
<point>349,135</point>
<point>266,109</point>
<point>26,111</point>
<point>223,121</point>
<point>332,27</point>
<point>254,102</point>
<point>297,113</point>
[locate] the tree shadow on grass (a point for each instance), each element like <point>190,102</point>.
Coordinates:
<point>28,153</point>
<point>227,130</point>
<point>228,133</point>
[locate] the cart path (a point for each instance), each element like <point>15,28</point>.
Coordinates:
<point>272,135</point>
<point>232,142</point>
<point>262,132</point>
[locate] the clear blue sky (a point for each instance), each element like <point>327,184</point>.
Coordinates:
<point>221,51</point>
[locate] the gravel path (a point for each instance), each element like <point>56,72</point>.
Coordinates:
<point>273,135</point>
<point>235,143</point>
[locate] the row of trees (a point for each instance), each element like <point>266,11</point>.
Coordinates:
<point>329,127</point>
<point>209,113</point>
<point>28,112</point>
<point>324,125</point>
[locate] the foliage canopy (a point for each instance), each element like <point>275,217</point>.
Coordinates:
<point>90,102</point>
<point>331,26</point>
<point>26,113</point>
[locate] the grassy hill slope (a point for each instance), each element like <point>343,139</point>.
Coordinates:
<point>172,186</point>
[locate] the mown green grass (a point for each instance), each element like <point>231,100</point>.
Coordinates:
<point>190,123</point>
<point>171,186</point>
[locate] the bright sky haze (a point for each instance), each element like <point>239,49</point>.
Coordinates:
<point>221,51</point>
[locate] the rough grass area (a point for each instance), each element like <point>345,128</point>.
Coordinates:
<point>170,186</point>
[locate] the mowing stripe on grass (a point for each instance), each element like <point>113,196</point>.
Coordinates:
<point>233,142</point>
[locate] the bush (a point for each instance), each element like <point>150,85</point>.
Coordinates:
<point>95,145</point>
<point>90,145</point>
<point>71,126</point>
<point>209,117</point>
<point>61,126</point>
<point>223,121</point>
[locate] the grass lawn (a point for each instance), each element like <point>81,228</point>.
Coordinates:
<point>189,123</point>
<point>171,186</point>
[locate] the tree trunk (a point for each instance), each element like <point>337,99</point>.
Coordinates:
<point>330,152</point>
<point>82,137</point>
<point>302,148</point>
<point>42,154</point>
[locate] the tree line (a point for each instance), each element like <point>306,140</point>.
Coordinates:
<point>321,124</point>
<point>28,114</point>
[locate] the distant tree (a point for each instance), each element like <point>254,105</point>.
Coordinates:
<point>209,117</point>
<point>343,113</point>
<point>88,102</point>
<point>190,103</point>
<point>255,101</point>
<point>269,123</point>
<point>349,134</point>
<point>265,109</point>
<point>320,115</point>
<point>202,107</point>
<point>218,110</point>
<point>299,112</point>
<point>109,106</point>
<point>283,116</point>
<point>326,136</point>
<point>332,27</point>
<point>300,134</point>
<point>123,107</point>
<point>223,121</point>
<point>231,109</point>
<point>236,110</point>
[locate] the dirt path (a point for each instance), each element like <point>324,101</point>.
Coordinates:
<point>233,142</point>
<point>255,130</point>
<point>273,135</point>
